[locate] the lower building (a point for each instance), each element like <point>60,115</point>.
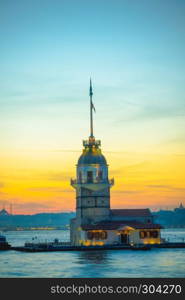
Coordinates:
<point>126,226</point>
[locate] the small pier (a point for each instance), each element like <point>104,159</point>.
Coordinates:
<point>51,247</point>
<point>46,248</point>
<point>169,245</point>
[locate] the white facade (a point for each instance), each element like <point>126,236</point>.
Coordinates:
<point>121,236</point>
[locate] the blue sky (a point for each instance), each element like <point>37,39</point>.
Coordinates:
<point>134,51</point>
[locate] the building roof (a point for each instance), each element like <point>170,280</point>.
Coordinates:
<point>92,153</point>
<point>113,225</point>
<point>91,159</point>
<point>131,212</point>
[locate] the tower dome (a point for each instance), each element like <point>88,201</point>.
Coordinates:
<point>92,156</point>
<point>92,165</point>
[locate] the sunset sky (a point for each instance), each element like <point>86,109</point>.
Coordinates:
<point>134,52</point>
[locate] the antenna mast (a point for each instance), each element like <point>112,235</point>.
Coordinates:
<point>91,108</point>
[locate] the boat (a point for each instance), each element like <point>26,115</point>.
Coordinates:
<point>4,245</point>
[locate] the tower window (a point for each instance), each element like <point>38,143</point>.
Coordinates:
<point>143,234</point>
<point>154,234</point>
<point>89,176</point>
<point>80,176</point>
<point>149,234</point>
<point>97,235</point>
<point>100,175</point>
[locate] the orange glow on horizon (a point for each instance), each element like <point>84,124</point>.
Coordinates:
<point>40,182</point>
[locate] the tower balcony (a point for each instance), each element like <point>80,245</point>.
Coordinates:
<point>73,182</point>
<point>94,185</point>
<point>111,181</point>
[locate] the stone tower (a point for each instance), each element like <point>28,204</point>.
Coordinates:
<point>92,184</point>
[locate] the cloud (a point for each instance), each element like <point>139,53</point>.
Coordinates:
<point>159,186</point>
<point>22,207</point>
<point>177,138</point>
<point>65,150</point>
<point>2,193</point>
<point>4,202</point>
<point>25,174</point>
<point>60,176</point>
<point>180,189</point>
<point>154,112</point>
<point>130,167</point>
<point>1,186</point>
<point>168,187</point>
<point>49,189</point>
<point>79,151</point>
<point>45,188</point>
<point>128,191</point>
<point>32,207</point>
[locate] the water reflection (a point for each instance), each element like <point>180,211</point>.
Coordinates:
<point>95,257</point>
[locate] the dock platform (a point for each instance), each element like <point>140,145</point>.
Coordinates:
<point>52,248</point>
<point>78,248</point>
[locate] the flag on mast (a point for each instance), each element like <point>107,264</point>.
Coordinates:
<point>91,94</point>
<point>90,89</point>
<point>92,105</point>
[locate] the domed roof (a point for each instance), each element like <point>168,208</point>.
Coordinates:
<point>92,157</point>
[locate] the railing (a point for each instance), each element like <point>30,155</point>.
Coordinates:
<point>75,181</point>
<point>86,143</point>
<point>111,181</point>
<point>46,244</point>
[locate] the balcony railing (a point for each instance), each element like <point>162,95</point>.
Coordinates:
<point>86,143</point>
<point>75,181</point>
<point>111,181</point>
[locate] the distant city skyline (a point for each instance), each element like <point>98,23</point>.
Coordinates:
<point>5,209</point>
<point>134,53</point>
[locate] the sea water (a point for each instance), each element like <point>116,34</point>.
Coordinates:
<point>108,263</point>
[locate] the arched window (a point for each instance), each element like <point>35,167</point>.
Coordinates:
<point>97,235</point>
<point>90,235</point>
<point>143,234</point>
<point>154,234</point>
<point>104,235</point>
<point>100,175</point>
<point>89,176</point>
